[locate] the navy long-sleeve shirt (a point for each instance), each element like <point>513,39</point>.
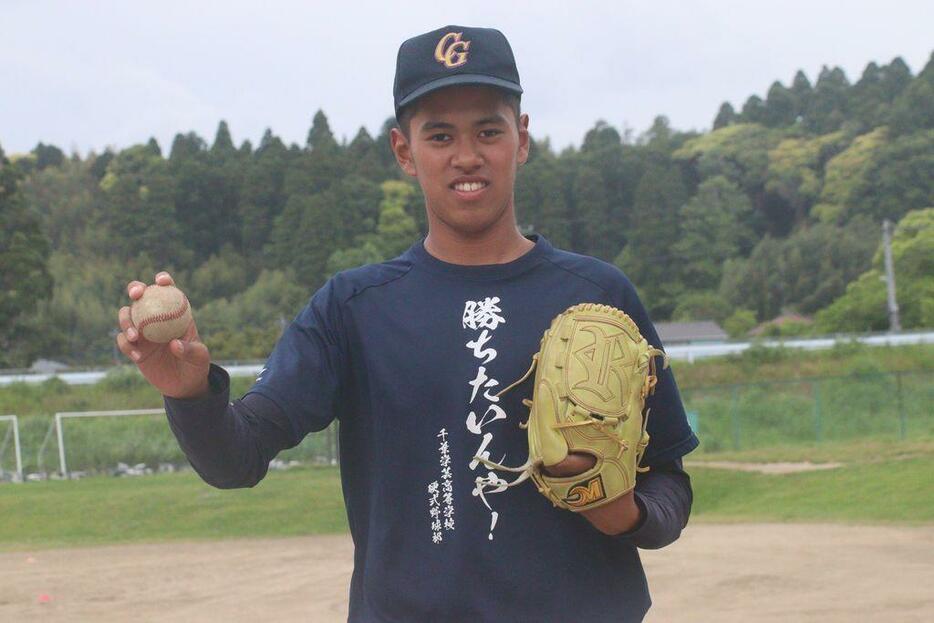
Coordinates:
<point>409,355</point>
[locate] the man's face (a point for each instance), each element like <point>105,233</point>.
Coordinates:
<point>464,147</point>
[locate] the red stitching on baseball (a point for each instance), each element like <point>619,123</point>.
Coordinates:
<point>178,313</point>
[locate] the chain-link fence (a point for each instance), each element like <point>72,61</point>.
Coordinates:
<point>884,405</point>
<point>889,406</point>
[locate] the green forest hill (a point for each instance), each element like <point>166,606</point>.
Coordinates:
<point>777,209</point>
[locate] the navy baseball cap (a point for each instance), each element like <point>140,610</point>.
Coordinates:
<point>450,56</point>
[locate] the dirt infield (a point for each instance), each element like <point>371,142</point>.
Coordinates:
<point>723,573</point>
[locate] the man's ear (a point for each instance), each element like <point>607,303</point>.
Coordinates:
<point>402,150</point>
<point>523,138</point>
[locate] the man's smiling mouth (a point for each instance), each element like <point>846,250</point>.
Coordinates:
<point>470,186</point>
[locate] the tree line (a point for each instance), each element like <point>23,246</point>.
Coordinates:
<point>777,209</point>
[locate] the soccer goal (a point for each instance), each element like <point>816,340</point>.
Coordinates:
<point>12,431</point>
<point>98,441</point>
<point>58,427</point>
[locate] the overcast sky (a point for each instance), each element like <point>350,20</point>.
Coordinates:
<point>85,75</point>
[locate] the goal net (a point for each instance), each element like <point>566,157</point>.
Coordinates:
<point>11,453</point>
<point>138,441</point>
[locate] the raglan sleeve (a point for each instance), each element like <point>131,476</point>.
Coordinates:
<point>307,370</point>
<point>670,436</point>
<point>230,444</point>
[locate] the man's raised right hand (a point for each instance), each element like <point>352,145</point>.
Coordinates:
<point>178,369</point>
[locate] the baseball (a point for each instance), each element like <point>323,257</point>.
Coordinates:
<point>161,314</point>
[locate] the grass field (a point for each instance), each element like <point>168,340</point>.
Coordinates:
<point>886,444</point>
<point>104,510</point>
<point>883,492</point>
<point>879,483</point>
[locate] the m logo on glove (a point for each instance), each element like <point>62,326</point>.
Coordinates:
<point>585,493</point>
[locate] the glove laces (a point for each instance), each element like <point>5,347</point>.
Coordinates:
<point>600,422</point>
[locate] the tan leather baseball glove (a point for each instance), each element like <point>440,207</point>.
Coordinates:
<point>594,373</point>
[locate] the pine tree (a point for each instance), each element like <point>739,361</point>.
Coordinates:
<point>206,193</point>
<point>802,91</point>
<point>24,275</point>
<point>647,257</point>
<point>186,146</point>
<point>725,116</point>
<point>896,77</point>
<point>754,110</point>
<point>541,204</point>
<point>48,156</point>
<point>304,236</point>
<point>263,194</point>
<point>363,158</point>
<point>320,137</point>
<point>829,104</point>
<point>223,143</point>
<point>913,110</point>
<point>603,188</point>
<point>138,210</point>
<point>779,106</point>
<point>152,146</point>
<point>714,227</point>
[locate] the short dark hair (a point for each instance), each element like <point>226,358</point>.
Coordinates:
<point>404,117</point>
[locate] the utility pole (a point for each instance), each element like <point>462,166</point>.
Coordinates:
<point>894,324</point>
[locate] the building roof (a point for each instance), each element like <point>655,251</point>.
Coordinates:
<point>47,366</point>
<point>681,332</point>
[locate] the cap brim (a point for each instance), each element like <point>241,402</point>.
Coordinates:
<point>459,79</point>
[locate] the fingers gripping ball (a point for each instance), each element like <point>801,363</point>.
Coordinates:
<point>161,314</point>
<point>595,371</point>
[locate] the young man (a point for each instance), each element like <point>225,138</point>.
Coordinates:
<point>409,355</point>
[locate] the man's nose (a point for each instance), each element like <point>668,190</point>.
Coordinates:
<point>467,157</point>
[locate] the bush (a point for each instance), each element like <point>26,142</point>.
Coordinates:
<point>740,323</point>
<point>758,354</point>
<point>788,328</point>
<point>795,328</point>
<point>247,343</point>
<point>701,306</point>
<point>123,378</point>
<point>55,386</point>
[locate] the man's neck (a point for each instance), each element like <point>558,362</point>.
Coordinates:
<point>494,247</point>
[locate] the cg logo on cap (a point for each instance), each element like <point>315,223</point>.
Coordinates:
<point>451,51</point>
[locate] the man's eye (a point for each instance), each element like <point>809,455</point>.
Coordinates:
<point>438,138</point>
<point>490,133</point>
